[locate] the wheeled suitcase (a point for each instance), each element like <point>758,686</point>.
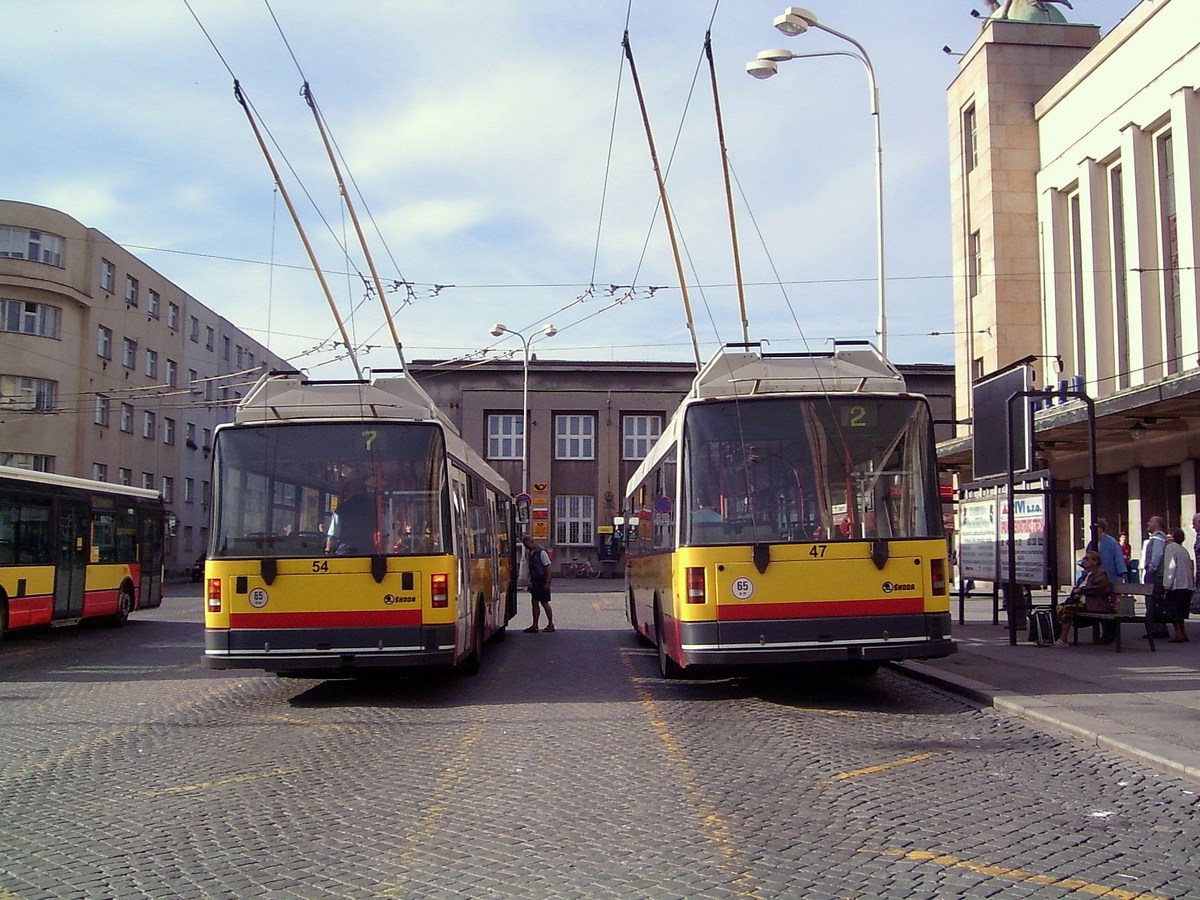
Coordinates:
<point>1041,628</point>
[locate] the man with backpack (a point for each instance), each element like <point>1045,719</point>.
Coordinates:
<point>539,584</point>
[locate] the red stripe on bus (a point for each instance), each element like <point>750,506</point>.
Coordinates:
<point>326,619</point>
<point>23,612</point>
<point>820,609</point>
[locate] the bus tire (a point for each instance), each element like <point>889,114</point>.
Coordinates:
<point>666,665</point>
<point>473,663</point>
<point>124,606</point>
<point>641,638</point>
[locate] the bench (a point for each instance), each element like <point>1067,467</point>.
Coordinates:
<point>1130,598</point>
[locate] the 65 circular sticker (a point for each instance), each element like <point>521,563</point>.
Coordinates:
<point>742,588</point>
<point>258,598</point>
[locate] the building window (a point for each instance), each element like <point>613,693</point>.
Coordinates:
<point>131,290</point>
<point>152,364</point>
<point>974,263</point>
<point>125,476</point>
<point>168,489</point>
<point>970,137</point>
<point>210,338</point>
<point>30,462</point>
<point>149,425</point>
<point>205,492</point>
<point>127,418</point>
<point>225,349</point>
<point>190,435</point>
<point>104,343</point>
<point>108,276</point>
<point>23,317</point>
<point>25,393</point>
<point>173,316</point>
<point>189,490</point>
<point>505,436</point>
<point>241,356</point>
<point>1120,276</point>
<point>1078,298</point>
<point>187,537</point>
<point>36,246</point>
<point>639,435</point>
<point>147,481</point>
<point>194,330</point>
<point>207,445</point>
<point>153,302</point>
<point>168,431</point>
<point>977,370</point>
<point>249,360</point>
<point>172,373</point>
<point>574,520</point>
<point>103,405</point>
<point>574,437</point>
<point>1172,332</point>
<point>129,353</point>
<point>99,472</point>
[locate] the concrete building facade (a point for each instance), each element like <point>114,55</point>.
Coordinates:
<point>1075,187</point>
<point>110,371</point>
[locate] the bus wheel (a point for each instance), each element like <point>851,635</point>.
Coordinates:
<point>666,665</point>
<point>124,606</point>
<point>473,663</point>
<point>641,638</point>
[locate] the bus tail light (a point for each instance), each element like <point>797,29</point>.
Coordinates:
<point>695,584</point>
<point>937,572</point>
<point>438,591</point>
<point>214,595</point>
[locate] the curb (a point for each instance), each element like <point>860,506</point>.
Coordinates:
<point>1156,754</point>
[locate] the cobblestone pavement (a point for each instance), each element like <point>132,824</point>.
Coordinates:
<point>567,768</point>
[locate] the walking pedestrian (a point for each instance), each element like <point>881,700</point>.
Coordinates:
<point>539,584</point>
<point>1112,560</point>
<point>1178,582</point>
<point>1152,564</point>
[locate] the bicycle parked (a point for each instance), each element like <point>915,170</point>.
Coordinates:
<point>580,568</point>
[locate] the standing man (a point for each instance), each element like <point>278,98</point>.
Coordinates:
<point>1112,560</point>
<point>539,584</point>
<point>1153,551</point>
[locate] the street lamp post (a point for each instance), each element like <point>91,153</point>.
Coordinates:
<point>549,331</point>
<point>795,21</point>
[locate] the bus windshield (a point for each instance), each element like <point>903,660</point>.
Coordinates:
<point>338,488</point>
<point>786,469</point>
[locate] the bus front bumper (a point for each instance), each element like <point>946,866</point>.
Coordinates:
<point>866,639</point>
<point>299,649</point>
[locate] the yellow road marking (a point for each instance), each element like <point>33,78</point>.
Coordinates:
<point>1069,884</point>
<point>221,782</point>
<point>883,767</point>
<point>715,830</point>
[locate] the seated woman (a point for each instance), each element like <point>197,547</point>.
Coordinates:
<point>1092,594</point>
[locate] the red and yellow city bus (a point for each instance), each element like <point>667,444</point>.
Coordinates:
<point>353,528</point>
<point>74,549</point>
<point>790,513</point>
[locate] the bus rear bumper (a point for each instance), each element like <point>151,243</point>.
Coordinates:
<point>279,650</point>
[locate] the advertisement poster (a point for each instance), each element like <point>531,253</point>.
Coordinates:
<point>977,532</point>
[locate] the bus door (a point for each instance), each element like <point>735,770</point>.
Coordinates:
<point>70,565</point>
<point>150,554</point>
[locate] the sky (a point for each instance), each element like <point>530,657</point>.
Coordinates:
<point>497,159</point>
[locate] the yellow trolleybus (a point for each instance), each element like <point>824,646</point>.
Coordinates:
<point>352,527</point>
<point>74,549</point>
<point>790,513</point>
